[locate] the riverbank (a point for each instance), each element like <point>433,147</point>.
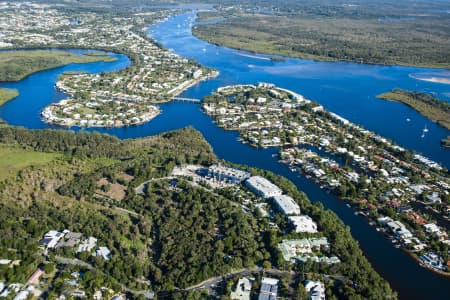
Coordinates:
<point>434,109</point>
<point>7,95</point>
<point>17,65</point>
<point>119,111</point>
<point>324,39</point>
<point>379,177</point>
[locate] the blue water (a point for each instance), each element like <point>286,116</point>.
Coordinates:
<point>345,88</point>
<point>37,91</point>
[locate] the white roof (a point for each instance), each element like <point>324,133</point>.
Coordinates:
<point>264,186</point>
<point>270,281</point>
<point>287,204</point>
<point>303,224</point>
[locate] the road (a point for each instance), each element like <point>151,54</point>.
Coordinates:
<point>73,261</point>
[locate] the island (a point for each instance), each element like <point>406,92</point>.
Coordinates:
<point>434,109</point>
<point>7,95</point>
<point>15,66</point>
<point>392,187</point>
<point>161,216</point>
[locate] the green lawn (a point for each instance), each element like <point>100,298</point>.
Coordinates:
<point>7,94</point>
<point>13,159</point>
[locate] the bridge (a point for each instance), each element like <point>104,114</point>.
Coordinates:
<point>186,99</point>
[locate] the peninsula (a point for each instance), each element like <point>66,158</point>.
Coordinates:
<point>427,105</point>
<point>384,182</point>
<point>7,94</point>
<point>17,65</point>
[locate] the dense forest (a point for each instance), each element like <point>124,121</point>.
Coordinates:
<point>172,236</point>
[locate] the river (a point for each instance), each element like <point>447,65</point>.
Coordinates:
<point>344,88</point>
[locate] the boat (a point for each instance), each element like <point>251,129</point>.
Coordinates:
<point>425,129</point>
<point>408,120</point>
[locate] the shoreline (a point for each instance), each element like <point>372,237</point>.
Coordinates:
<point>46,121</point>
<point>352,203</point>
<point>312,57</point>
<point>10,94</point>
<point>111,59</point>
<point>387,96</point>
<point>212,74</point>
<point>420,262</point>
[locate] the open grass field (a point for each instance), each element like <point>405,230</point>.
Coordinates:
<point>7,94</point>
<point>16,65</point>
<point>13,159</point>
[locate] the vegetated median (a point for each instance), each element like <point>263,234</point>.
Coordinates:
<point>7,94</point>
<point>16,65</point>
<point>427,105</point>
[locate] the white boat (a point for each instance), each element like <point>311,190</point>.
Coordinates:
<point>425,129</point>
<point>408,120</point>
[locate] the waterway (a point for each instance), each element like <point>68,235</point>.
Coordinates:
<point>344,88</point>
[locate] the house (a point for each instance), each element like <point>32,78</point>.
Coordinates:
<point>87,245</point>
<point>243,290</point>
<point>303,224</point>
<point>293,249</point>
<point>316,289</point>
<point>51,238</point>
<point>317,108</point>
<point>103,252</point>
<point>434,198</point>
<point>34,279</point>
<point>22,295</point>
<point>269,289</point>
<point>399,229</point>
<point>71,239</point>
<point>232,175</point>
<point>286,205</point>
